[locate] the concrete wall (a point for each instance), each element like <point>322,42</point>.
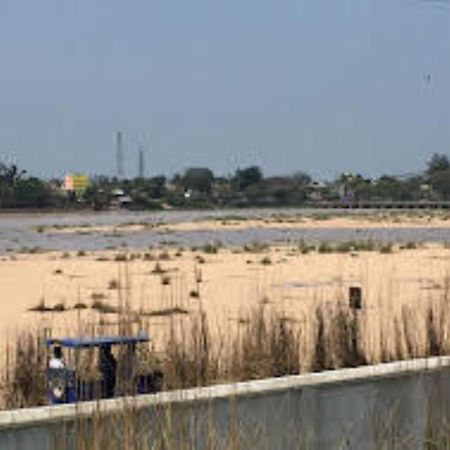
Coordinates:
<point>362,408</point>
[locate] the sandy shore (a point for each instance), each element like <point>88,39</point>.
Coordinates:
<point>321,221</point>
<point>229,284</point>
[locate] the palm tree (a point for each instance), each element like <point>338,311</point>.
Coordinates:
<point>9,176</point>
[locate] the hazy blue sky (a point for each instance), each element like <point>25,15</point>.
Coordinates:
<point>318,85</point>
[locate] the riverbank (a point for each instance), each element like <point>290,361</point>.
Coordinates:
<point>69,290</point>
<point>284,220</point>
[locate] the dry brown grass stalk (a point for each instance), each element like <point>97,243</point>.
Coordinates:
<point>265,342</point>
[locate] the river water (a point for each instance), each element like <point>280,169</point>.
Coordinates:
<point>20,231</point>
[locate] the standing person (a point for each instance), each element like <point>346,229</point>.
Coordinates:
<point>56,362</point>
<point>108,366</point>
<point>57,382</point>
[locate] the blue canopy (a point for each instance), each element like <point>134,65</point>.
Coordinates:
<point>100,341</point>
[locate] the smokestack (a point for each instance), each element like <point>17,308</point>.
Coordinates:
<point>141,168</point>
<point>119,155</point>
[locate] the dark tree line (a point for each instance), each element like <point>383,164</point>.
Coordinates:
<point>20,191</point>
<point>199,187</point>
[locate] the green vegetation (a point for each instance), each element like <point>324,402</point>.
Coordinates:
<point>211,248</point>
<point>199,188</point>
<point>305,248</point>
<point>411,245</point>
<point>386,248</point>
<point>352,246</point>
<point>325,247</point>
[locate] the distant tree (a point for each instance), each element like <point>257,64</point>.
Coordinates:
<point>244,178</point>
<point>32,193</point>
<point>96,196</point>
<point>391,188</point>
<point>157,186</point>
<point>9,176</point>
<point>438,172</point>
<point>386,188</point>
<point>256,194</point>
<point>413,185</point>
<point>437,163</point>
<point>352,187</point>
<point>301,179</point>
<point>198,179</point>
<point>440,182</point>
<point>177,180</point>
<point>142,201</point>
<point>282,195</point>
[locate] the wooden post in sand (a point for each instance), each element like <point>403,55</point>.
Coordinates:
<point>355,298</point>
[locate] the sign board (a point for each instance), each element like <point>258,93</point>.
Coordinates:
<point>76,182</point>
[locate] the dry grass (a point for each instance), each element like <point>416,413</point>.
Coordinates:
<point>263,343</point>
<point>23,379</point>
<point>163,429</point>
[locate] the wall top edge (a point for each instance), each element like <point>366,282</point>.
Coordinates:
<point>34,416</point>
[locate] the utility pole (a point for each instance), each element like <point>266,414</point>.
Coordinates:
<point>119,155</point>
<point>141,167</point>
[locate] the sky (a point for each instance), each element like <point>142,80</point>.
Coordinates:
<point>321,86</point>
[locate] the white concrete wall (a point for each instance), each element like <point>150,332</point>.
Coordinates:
<point>353,408</point>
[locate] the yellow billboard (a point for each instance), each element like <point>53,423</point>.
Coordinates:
<point>76,182</point>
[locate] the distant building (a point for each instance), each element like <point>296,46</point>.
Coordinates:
<point>124,201</point>
<point>117,192</point>
<point>316,190</point>
<point>119,199</point>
